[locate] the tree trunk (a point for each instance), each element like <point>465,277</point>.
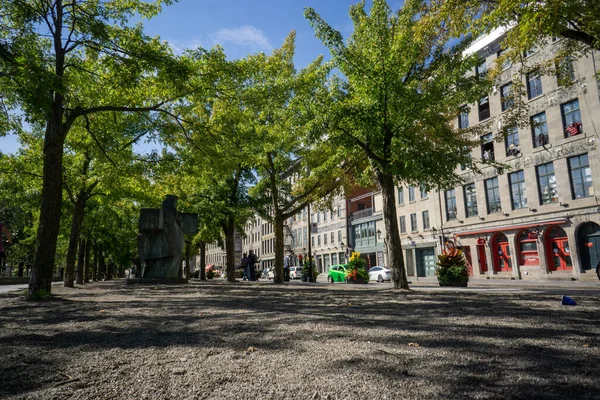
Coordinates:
<point>278,222</point>
<point>230,249</point>
<point>95,264</point>
<point>86,268</point>
<point>80,262</point>
<point>49,222</point>
<point>392,235</point>
<point>54,139</point>
<point>202,261</point>
<point>74,238</point>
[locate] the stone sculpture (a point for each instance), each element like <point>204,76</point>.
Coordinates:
<point>161,241</point>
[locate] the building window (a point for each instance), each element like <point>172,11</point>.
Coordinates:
<point>530,52</point>
<point>467,154</point>
<point>450,196</point>
<point>505,97</point>
<point>463,118</point>
<point>332,238</point>
<point>403,224</point>
<point>481,69</point>
<point>534,85</point>
<point>512,142</point>
<point>565,71</point>
<point>581,176</point>
<point>340,236</point>
<point>319,240</point>
<point>413,222</point>
<point>401,196</point>
<point>411,193</point>
<point>539,130</point>
<point>484,108</point>
<point>324,239</point>
<point>470,200</point>
<point>517,190</point>
<point>423,189</point>
<point>487,147</point>
<point>325,216</point>
<point>547,184</point>
<point>313,241</point>
<point>492,192</point>
<point>571,118</point>
<point>425,216</point>
<point>506,63</point>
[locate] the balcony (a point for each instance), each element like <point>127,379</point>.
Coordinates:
<point>367,212</point>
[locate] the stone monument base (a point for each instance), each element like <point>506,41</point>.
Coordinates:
<point>157,281</point>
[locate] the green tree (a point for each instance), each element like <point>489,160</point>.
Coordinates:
<point>65,61</point>
<point>402,89</point>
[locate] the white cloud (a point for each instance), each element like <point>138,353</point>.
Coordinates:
<point>179,46</point>
<point>243,36</point>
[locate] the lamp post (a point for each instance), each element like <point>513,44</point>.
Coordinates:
<point>385,255</point>
<point>310,266</point>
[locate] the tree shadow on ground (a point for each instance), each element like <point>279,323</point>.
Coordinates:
<point>471,344</point>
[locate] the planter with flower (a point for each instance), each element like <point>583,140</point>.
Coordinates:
<point>452,268</point>
<point>356,271</point>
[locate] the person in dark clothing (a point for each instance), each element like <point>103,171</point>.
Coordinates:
<point>4,229</point>
<point>251,261</point>
<point>244,266</point>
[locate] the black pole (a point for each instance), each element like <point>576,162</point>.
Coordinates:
<point>310,258</point>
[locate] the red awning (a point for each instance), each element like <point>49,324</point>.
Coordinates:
<point>513,227</point>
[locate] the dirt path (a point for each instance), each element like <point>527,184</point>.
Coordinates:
<point>219,341</point>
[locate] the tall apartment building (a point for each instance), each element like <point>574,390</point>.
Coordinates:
<point>330,236</point>
<point>539,219</point>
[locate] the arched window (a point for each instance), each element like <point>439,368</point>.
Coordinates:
<point>528,251</point>
<point>557,249</point>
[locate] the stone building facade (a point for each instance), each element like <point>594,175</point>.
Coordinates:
<point>539,218</point>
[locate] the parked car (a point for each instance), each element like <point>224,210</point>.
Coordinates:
<point>295,272</point>
<point>337,273</point>
<point>380,274</point>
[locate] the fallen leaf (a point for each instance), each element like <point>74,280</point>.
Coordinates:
<point>414,344</point>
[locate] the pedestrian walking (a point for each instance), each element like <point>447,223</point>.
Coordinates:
<point>244,266</point>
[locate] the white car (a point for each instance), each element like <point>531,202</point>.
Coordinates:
<point>380,274</point>
<point>295,272</point>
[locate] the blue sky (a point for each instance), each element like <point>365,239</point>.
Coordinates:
<point>242,27</point>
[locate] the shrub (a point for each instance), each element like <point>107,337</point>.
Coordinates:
<point>210,273</point>
<point>305,268</point>
<point>452,268</point>
<point>357,268</point>
<point>41,294</point>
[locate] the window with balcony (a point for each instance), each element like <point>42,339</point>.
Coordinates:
<point>581,176</point>
<point>487,147</point>
<point>547,183</point>
<point>512,142</point>
<point>571,116</point>
<point>403,224</point>
<point>539,130</point>
<point>517,190</point>
<point>425,217</point>
<point>492,192</point>
<point>506,98</point>
<point>484,108</point>
<point>470,200</point>
<point>450,196</point>
<point>534,85</point>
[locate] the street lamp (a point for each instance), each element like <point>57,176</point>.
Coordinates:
<point>378,234</point>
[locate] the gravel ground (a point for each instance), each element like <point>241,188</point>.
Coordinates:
<point>261,341</point>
